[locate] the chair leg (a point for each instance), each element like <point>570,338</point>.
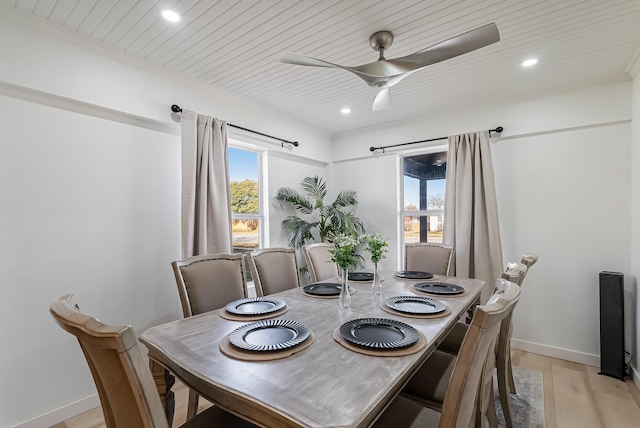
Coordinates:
<point>505,398</point>
<point>492,416</point>
<point>192,405</point>
<point>512,384</point>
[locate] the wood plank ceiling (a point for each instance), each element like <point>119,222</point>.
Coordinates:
<point>235,45</point>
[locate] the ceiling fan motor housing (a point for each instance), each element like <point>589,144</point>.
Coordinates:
<point>381,40</point>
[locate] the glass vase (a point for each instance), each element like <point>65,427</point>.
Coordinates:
<point>376,286</point>
<point>345,298</point>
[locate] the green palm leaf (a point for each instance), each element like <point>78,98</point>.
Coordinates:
<point>297,230</point>
<point>287,198</point>
<point>346,198</point>
<point>316,188</point>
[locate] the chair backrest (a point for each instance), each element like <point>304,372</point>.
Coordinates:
<point>428,257</point>
<point>209,282</point>
<point>274,270</point>
<point>126,388</point>
<point>515,272</point>
<point>459,406</point>
<point>319,261</point>
<point>528,260</point>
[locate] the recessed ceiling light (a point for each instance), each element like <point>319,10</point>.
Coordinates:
<point>529,62</point>
<point>345,110</point>
<point>170,15</point>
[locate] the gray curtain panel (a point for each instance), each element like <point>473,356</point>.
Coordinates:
<point>206,194</point>
<point>471,213</point>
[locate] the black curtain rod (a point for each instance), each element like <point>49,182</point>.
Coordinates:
<point>499,129</point>
<point>177,109</point>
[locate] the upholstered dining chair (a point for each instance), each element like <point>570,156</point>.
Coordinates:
<point>457,379</point>
<point>206,283</point>
<point>428,257</point>
<point>209,282</point>
<point>124,382</point>
<point>319,261</point>
<point>273,270</point>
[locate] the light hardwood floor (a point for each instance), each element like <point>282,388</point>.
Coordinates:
<point>575,395</point>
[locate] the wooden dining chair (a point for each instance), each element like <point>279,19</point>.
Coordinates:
<point>457,379</point>
<point>274,270</point>
<point>124,382</point>
<point>514,272</point>
<point>428,257</point>
<point>206,283</point>
<point>319,263</point>
<point>505,370</point>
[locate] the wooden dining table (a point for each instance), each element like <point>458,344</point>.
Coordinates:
<point>324,385</point>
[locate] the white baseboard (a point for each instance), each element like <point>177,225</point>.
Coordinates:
<point>63,413</point>
<point>550,351</point>
<point>635,376</point>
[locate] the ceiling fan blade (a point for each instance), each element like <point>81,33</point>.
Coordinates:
<point>298,59</point>
<point>373,74</point>
<point>382,100</point>
<point>455,46</point>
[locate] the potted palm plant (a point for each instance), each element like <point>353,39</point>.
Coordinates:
<point>310,220</point>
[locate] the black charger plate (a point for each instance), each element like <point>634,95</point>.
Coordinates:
<point>379,333</point>
<point>413,274</point>
<point>255,306</point>
<point>415,305</point>
<point>323,289</point>
<point>269,335</point>
<point>442,288</point>
<point>360,276</point>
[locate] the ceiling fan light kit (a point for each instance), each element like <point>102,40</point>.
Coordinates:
<point>385,73</point>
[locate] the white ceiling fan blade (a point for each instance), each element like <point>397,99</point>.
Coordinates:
<point>455,46</point>
<point>382,100</point>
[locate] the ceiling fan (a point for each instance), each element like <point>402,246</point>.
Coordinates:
<point>385,73</point>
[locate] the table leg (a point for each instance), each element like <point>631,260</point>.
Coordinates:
<point>164,382</point>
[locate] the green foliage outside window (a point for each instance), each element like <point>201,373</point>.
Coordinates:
<point>244,197</point>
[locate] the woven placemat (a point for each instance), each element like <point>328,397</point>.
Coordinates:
<point>444,313</point>
<point>240,354</point>
<point>416,347</point>
<point>233,317</point>
<point>445,296</point>
<point>433,278</point>
<point>315,296</point>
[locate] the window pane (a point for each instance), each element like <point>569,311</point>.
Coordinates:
<point>424,178</point>
<point>413,225</point>
<point>411,193</point>
<point>245,234</point>
<point>244,170</point>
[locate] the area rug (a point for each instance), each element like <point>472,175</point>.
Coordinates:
<point>528,404</point>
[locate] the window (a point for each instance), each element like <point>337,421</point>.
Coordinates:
<point>246,200</point>
<point>423,198</point>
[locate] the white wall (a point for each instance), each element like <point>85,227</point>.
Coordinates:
<point>562,164</point>
<point>553,191</point>
<point>88,207</point>
<point>90,190</point>
<point>375,180</point>
<point>632,288</point>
